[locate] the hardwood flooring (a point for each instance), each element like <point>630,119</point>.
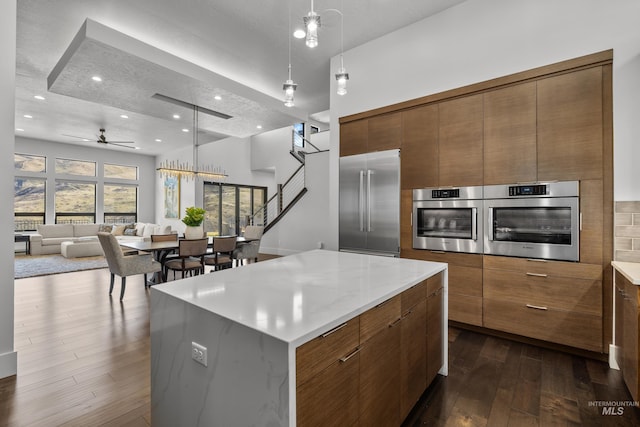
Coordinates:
<point>83,360</point>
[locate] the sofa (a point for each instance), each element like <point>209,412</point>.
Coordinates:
<point>73,240</point>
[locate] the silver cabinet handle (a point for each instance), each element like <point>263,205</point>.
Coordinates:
<point>350,355</point>
<point>536,307</point>
<point>361,201</point>
<point>537,274</point>
<point>336,329</point>
<point>398,320</point>
<point>536,260</point>
<point>368,199</point>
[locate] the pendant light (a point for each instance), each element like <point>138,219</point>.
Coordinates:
<point>341,76</point>
<point>289,86</point>
<point>312,23</point>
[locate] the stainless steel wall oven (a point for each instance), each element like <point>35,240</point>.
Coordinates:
<point>448,219</point>
<point>539,220</point>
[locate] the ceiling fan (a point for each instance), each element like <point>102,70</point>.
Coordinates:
<point>103,140</point>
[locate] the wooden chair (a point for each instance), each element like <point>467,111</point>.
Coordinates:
<point>125,265</point>
<point>168,254</point>
<point>221,252</point>
<point>190,258</point>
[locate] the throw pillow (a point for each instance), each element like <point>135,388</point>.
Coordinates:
<point>106,228</point>
<point>129,231</point>
<point>140,228</point>
<point>118,230</point>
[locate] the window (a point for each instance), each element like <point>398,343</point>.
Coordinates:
<point>120,171</point>
<point>120,203</point>
<point>230,207</point>
<point>75,202</point>
<point>75,167</point>
<point>28,203</point>
<point>29,163</point>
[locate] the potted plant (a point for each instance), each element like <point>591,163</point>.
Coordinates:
<point>193,219</point>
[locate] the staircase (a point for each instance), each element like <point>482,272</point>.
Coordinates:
<point>288,193</point>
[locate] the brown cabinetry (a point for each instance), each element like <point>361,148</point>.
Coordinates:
<point>570,126</point>
<point>553,301</point>
<point>627,338</point>
<point>510,134</point>
<point>379,133</point>
<point>460,153</point>
<point>420,147</point>
<point>413,347</point>
<point>327,378</point>
<point>435,339</point>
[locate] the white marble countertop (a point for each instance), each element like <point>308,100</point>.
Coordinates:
<point>630,270</point>
<point>297,297</point>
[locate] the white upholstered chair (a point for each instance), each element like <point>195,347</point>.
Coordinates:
<point>249,250</point>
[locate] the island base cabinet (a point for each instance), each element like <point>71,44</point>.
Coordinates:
<point>435,340</point>
<point>629,336</point>
<point>331,398</point>
<point>413,347</point>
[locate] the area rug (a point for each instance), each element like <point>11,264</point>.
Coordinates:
<point>40,265</point>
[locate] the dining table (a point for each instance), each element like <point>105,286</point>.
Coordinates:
<point>160,250</point>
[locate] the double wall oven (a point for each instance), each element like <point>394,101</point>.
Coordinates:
<point>540,221</point>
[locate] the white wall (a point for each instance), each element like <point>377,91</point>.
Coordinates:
<point>305,226</point>
<point>8,357</point>
<point>233,155</point>
<point>270,151</point>
<point>481,40</point>
<point>53,150</point>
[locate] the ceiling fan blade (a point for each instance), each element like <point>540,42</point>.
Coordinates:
<point>120,142</point>
<point>121,145</point>
<point>79,137</point>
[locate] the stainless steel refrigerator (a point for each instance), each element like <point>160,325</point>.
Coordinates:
<point>370,203</point>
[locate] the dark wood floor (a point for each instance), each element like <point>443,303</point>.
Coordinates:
<point>83,360</point>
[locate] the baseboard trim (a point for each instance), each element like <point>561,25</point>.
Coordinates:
<point>8,364</point>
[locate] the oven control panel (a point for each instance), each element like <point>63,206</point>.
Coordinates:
<point>445,194</point>
<point>528,190</point>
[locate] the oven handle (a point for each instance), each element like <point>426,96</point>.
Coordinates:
<point>490,224</point>
<point>474,224</point>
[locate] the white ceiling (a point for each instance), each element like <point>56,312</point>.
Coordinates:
<point>190,50</point>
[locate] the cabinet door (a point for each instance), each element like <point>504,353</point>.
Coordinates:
<point>379,379</point>
<point>434,334</point>
<point>331,397</point>
<point>460,142</point>
<point>570,126</point>
<point>630,339</point>
<point>510,135</point>
<point>384,132</point>
<point>353,137</point>
<point>420,147</point>
<point>413,356</point>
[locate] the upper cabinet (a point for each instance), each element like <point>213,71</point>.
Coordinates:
<point>510,135</point>
<point>570,126</point>
<point>378,133</point>
<point>460,141</point>
<point>419,159</point>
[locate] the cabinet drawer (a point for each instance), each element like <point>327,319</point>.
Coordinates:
<point>573,329</point>
<point>465,281</point>
<point>379,317</point>
<point>465,309</point>
<point>317,354</point>
<point>414,295</point>
<point>434,283</point>
<point>552,268</point>
<point>561,293</point>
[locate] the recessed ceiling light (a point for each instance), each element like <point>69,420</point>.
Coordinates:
<point>136,148</point>
<point>96,78</point>
<point>27,116</point>
<point>299,34</point>
<point>158,140</point>
<point>176,116</point>
<point>185,130</point>
<point>20,129</point>
<point>259,127</point>
<point>39,97</point>
<point>217,97</point>
<point>124,116</point>
<point>85,140</point>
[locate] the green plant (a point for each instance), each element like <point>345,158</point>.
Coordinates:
<point>194,216</point>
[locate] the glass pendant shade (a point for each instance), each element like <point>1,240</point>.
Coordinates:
<point>342,76</point>
<point>289,88</point>
<point>312,23</point>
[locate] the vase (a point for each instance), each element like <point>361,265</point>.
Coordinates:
<point>194,232</point>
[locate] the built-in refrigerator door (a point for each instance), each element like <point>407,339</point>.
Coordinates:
<point>352,234</point>
<point>382,211</point>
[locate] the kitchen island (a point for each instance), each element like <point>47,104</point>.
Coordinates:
<point>273,335</point>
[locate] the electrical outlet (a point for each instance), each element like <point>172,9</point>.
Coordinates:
<point>199,353</point>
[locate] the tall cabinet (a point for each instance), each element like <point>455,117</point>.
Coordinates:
<point>552,123</point>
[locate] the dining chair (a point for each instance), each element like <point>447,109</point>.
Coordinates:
<point>167,255</point>
<point>125,265</point>
<point>249,250</point>
<point>222,249</point>
<point>190,258</point>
